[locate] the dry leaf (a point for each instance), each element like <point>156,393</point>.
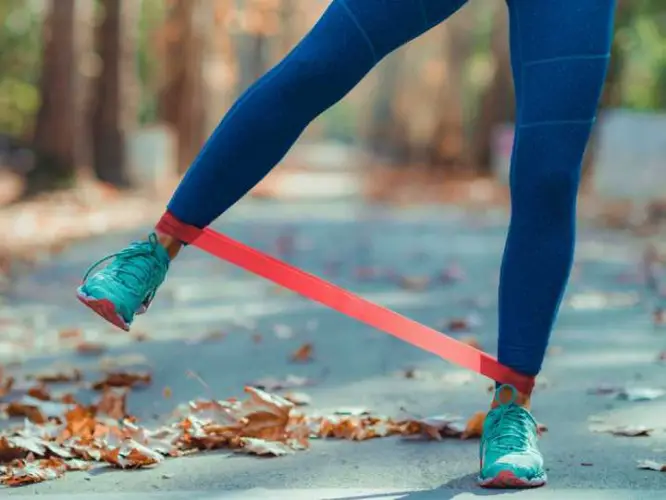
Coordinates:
<point>57,375</point>
<point>624,430</point>
<point>298,398</point>
<point>40,392</point>
<point>9,451</point>
<point>36,410</point>
<point>640,394</point>
<point>123,379</point>
<point>70,333</point>
<point>90,348</point>
<point>652,465</point>
<point>264,448</point>
<point>131,455</point>
<point>303,354</point>
<point>474,427</point>
<point>274,384</point>
<point>6,384</point>
<point>113,403</point>
<point>436,427</point>
<point>37,471</point>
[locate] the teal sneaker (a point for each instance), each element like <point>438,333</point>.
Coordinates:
<point>128,284</point>
<point>509,454</point>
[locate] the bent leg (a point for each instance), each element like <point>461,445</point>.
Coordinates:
<point>259,129</point>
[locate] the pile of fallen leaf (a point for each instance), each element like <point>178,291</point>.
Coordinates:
<point>60,434</point>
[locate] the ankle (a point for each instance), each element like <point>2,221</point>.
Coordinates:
<point>506,395</point>
<point>170,244</point>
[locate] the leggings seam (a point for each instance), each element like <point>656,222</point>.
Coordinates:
<point>557,122</point>
<point>424,14</point>
<point>365,35</point>
<point>578,57</point>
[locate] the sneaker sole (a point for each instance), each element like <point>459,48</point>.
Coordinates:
<point>508,480</point>
<point>104,308</point>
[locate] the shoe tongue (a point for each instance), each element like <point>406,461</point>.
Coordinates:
<point>506,395</point>
<point>162,253</point>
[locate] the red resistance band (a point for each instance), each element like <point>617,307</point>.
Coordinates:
<point>343,301</point>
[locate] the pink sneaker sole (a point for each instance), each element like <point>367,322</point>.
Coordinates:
<point>508,480</point>
<point>105,308</point>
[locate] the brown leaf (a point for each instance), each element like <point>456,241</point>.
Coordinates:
<point>474,427</point>
<point>303,354</point>
<point>264,448</point>
<point>40,392</point>
<point>356,428</point>
<point>6,384</point>
<point>123,379</point>
<point>57,375</point>
<point>9,452</point>
<point>266,415</point>
<point>458,325</point>
<point>436,427</point>
<point>37,471</point>
<point>113,403</point>
<point>32,413</point>
<point>90,348</point>
<point>70,333</point>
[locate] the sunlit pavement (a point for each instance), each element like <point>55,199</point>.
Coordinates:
<point>605,336</point>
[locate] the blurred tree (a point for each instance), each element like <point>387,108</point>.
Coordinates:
<point>258,23</point>
<point>497,102</point>
<point>114,112</point>
<point>20,59</point>
<point>447,148</point>
<point>220,64</point>
<point>61,137</point>
<point>181,100</point>
<point>387,134</point>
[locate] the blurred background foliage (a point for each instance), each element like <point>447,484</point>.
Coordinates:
<point>77,77</point>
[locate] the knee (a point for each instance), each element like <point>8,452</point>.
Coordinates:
<point>546,195</point>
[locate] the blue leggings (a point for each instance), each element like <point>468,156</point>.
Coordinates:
<point>560,50</point>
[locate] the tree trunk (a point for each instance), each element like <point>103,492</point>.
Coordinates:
<point>55,126</point>
<point>447,150</point>
<point>115,110</point>
<point>253,42</point>
<point>497,103</point>
<point>182,97</point>
<point>220,67</point>
<point>387,134</point>
<point>60,135</point>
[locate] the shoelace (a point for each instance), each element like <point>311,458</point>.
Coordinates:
<point>141,271</point>
<point>510,438</point>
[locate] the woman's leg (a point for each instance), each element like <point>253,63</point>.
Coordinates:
<point>348,40</point>
<point>560,51</point>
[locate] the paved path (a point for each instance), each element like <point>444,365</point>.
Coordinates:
<point>601,338</point>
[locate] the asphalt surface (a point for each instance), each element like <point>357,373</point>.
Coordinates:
<point>604,336</point>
